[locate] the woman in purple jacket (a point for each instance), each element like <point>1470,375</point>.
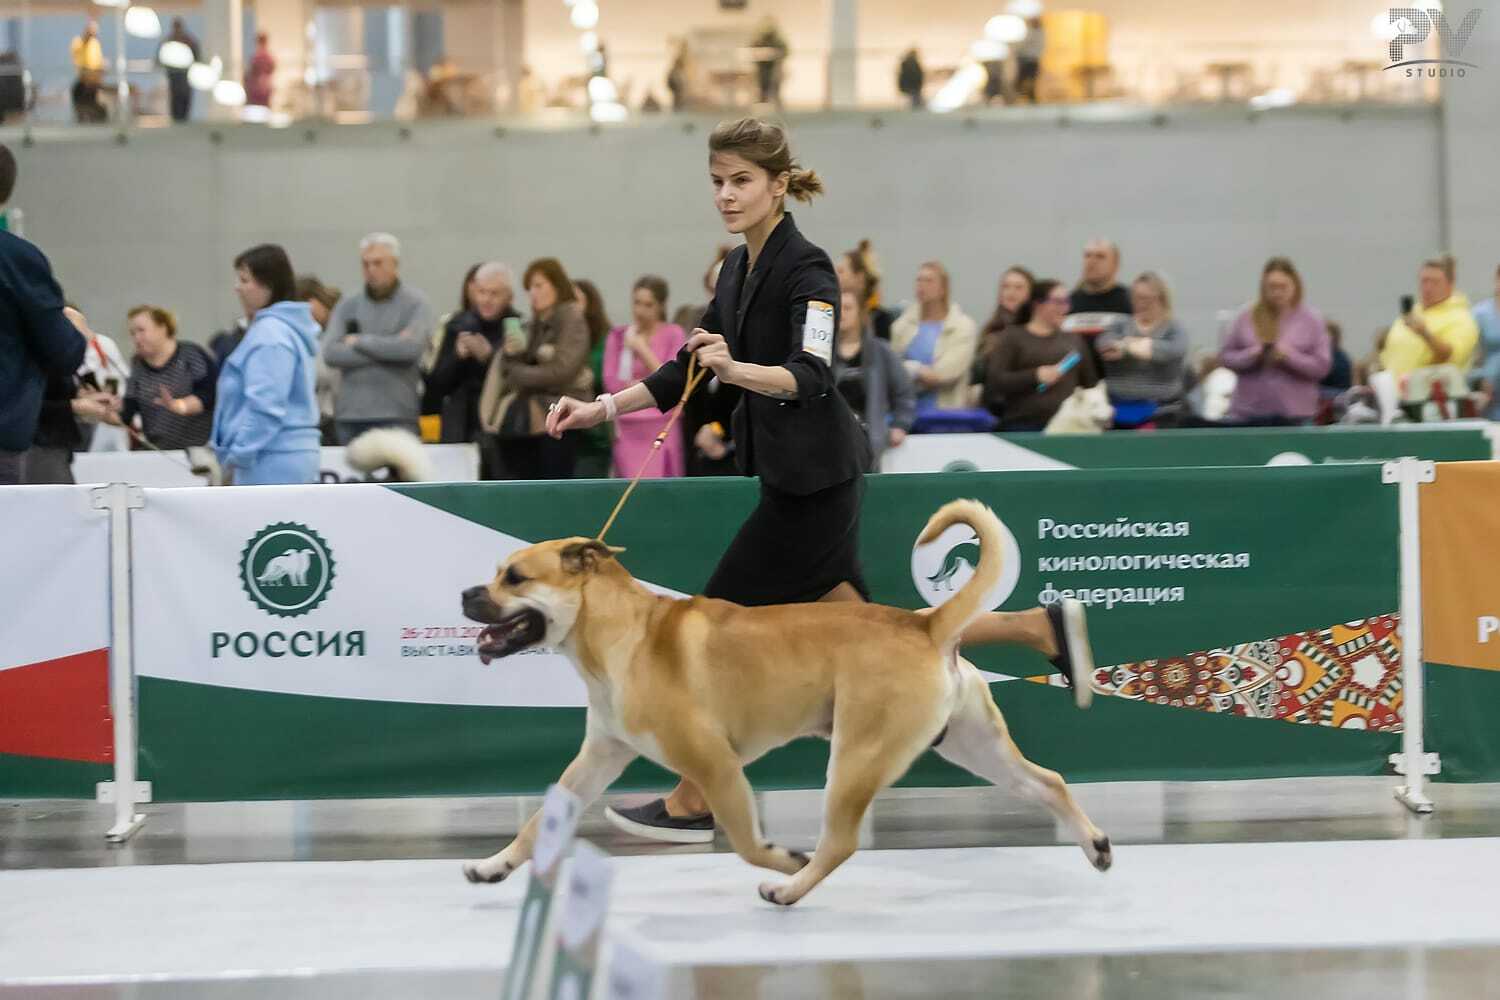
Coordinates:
<point>1280,349</point>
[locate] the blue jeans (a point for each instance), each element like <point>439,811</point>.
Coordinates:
<point>280,468</point>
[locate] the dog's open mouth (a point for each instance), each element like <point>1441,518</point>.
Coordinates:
<point>511,634</point>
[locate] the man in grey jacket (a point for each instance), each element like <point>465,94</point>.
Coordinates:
<point>375,340</point>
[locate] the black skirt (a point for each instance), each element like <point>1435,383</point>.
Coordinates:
<point>794,549</point>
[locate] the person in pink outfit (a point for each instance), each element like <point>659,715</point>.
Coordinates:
<point>630,354</point>
<point>261,72</point>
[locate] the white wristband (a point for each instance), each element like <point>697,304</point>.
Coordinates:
<point>611,409</point>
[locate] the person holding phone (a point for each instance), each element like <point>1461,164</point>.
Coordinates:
<point>539,364</point>
<point>1280,349</point>
<point>1035,366</point>
<point>1439,331</point>
<point>469,342</point>
<point>768,336</point>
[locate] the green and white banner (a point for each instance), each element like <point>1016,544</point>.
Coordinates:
<point>1450,442</point>
<point>56,732</point>
<point>308,642</point>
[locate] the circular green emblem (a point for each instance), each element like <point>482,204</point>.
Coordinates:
<point>286,569</point>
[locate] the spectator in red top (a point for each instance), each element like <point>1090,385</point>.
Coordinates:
<point>260,72</point>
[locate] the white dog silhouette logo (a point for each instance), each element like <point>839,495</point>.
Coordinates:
<point>286,569</point>
<point>289,567</point>
<point>942,567</point>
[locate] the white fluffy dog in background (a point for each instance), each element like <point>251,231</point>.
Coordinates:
<point>1087,411</point>
<point>398,452</point>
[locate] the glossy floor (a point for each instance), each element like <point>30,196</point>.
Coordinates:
<point>1289,917</point>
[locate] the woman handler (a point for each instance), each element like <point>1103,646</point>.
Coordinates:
<point>768,334</point>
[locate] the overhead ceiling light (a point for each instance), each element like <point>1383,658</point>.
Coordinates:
<point>203,76</point>
<point>986,50</point>
<point>230,93</point>
<point>960,87</point>
<point>608,111</point>
<point>175,55</point>
<point>1277,98</point>
<point>142,22</point>
<point>1005,28</point>
<point>602,90</point>
<point>1024,8</point>
<point>585,15</point>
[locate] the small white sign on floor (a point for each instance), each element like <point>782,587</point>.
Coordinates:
<point>535,940</point>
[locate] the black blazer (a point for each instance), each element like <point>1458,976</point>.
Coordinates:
<point>801,445</point>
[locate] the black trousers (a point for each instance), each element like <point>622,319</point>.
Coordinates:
<point>181,99</point>
<point>538,456</point>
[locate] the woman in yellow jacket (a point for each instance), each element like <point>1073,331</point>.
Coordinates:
<point>1439,331</point>
<point>936,341</point>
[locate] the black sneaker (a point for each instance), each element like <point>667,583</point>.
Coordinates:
<point>652,821</point>
<point>1075,657</point>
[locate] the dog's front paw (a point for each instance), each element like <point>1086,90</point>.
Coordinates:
<point>777,894</point>
<point>474,872</point>
<point>1102,856</point>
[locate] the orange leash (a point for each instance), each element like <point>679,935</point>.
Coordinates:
<point>694,376</point>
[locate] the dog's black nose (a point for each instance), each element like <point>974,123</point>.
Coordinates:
<point>473,593</point>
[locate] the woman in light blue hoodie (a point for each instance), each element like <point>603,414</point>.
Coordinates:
<point>266,417</point>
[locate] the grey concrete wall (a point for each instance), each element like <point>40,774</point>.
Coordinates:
<point>1204,197</point>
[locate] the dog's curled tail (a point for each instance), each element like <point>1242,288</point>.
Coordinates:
<point>392,448</point>
<point>947,623</point>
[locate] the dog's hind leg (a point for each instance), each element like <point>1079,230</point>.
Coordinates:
<point>600,761</point>
<point>979,741</point>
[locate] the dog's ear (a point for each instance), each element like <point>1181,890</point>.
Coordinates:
<point>582,557</point>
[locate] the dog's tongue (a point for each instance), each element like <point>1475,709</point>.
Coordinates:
<point>485,658</point>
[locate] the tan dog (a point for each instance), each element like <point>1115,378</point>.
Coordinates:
<point>703,687</point>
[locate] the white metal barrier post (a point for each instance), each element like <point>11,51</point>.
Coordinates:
<point>1407,474</point>
<point>124,792</point>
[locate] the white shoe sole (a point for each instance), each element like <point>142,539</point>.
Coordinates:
<point>1076,635</point>
<point>664,834</point>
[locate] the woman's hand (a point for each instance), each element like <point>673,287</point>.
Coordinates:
<point>474,345</point>
<point>1048,374</point>
<point>897,436</point>
<point>1139,348</point>
<point>93,407</point>
<point>569,414</point>
<point>713,354</point>
<point>1112,351</point>
<point>638,344</point>
<point>709,441</point>
<point>928,378</point>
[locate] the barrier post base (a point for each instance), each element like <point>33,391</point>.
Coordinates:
<point>125,829</point>
<point>127,820</point>
<point>1414,800</point>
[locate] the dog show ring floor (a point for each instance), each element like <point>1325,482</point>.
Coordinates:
<point>1306,888</point>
